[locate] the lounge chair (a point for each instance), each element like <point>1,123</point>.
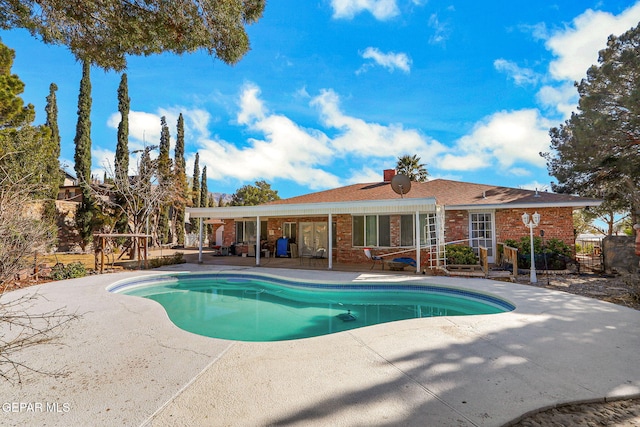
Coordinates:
<point>373,258</point>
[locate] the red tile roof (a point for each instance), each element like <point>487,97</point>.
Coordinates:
<point>446,192</point>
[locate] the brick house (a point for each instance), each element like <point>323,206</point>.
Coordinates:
<point>372,215</point>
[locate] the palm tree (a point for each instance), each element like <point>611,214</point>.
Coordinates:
<point>411,167</point>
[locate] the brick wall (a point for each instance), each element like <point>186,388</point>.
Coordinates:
<point>456,225</point>
<point>557,223</point>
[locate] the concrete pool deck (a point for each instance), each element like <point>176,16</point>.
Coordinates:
<point>125,363</point>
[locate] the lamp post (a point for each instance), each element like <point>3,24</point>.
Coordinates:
<point>531,222</point>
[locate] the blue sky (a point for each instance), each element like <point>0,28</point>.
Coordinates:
<point>334,91</point>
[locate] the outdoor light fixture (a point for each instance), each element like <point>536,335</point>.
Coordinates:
<point>531,222</point>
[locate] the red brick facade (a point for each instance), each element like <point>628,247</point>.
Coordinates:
<point>556,222</point>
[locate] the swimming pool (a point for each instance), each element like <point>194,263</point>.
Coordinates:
<point>258,307</point>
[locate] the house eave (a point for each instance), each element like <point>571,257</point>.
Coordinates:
<point>389,206</point>
<point>495,206</point>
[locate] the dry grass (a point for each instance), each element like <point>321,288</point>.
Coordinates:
<point>87,259</point>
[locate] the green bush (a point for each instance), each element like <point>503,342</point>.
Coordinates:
<point>552,254</point>
<point>69,271</point>
<point>461,254</point>
<point>557,246</point>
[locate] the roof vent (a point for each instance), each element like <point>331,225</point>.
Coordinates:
<point>536,195</point>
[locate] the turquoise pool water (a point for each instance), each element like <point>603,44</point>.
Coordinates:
<point>249,307</point>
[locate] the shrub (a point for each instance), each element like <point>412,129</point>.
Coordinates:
<point>557,246</point>
<point>70,271</point>
<point>461,254</point>
<point>554,254</point>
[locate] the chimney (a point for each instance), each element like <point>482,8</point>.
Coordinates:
<point>389,174</point>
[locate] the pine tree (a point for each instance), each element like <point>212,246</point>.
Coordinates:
<point>195,190</point>
<point>106,32</point>
<point>596,153</point>
<point>181,182</point>
<point>85,215</point>
<point>122,149</point>
<point>13,112</point>
<point>164,177</point>
<point>26,151</point>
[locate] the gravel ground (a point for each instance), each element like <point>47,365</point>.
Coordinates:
<point>615,289</point>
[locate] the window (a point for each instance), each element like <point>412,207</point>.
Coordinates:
<point>407,230</point>
<point>239,231</point>
<point>289,230</point>
<point>371,230</point>
<point>428,234</point>
<point>246,231</point>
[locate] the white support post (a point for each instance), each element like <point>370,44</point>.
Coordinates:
<point>258,246</point>
<point>200,241</point>
<point>330,251</point>
<point>418,242</point>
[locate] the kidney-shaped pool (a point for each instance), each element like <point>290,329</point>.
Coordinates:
<point>258,307</point>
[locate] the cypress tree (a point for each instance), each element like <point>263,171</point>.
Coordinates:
<point>204,191</point>
<point>86,210</point>
<point>122,149</point>
<point>121,165</point>
<point>195,191</point>
<point>82,139</point>
<point>204,196</point>
<point>52,123</point>
<point>181,182</point>
<point>52,167</point>
<point>164,175</point>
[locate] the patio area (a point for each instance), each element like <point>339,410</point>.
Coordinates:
<point>125,363</point>
<point>299,263</point>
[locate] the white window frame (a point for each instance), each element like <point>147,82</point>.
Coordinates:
<point>365,230</point>
<point>474,241</point>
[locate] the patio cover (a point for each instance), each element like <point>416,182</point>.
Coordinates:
<point>397,206</point>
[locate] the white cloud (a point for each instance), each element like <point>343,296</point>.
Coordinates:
<point>101,161</point>
<point>389,60</point>
<point>521,76</point>
<point>366,174</point>
<point>576,46</point>
<point>562,98</point>
<point>380,9</point>
<point>519,172</point>
<point>364,139</point>
<point>286,151</point>
<point>504,138</point>
<point>440,30</point>
<point>143,127</point>
<point>251,107</point>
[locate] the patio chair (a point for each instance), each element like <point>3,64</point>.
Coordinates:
<point>373,258</point>
<point>318,255</point>
<point>305,252</point>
